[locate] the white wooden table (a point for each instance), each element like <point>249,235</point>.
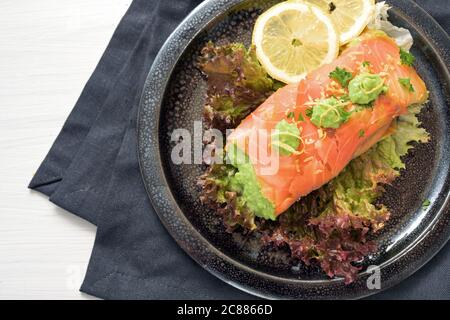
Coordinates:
<point>48,49</point>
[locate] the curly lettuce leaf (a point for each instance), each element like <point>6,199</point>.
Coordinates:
<point>219,194</point>
<point>237,84</point>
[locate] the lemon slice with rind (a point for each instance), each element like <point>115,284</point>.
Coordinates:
<point>349,16</point>
<point>293,38</point>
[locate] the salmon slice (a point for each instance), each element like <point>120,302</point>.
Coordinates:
<point>324,153</point>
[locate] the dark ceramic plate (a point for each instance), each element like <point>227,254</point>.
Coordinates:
<point>173,98</point>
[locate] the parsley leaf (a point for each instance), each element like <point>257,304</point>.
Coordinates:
<point>426,203</point>
<point>342,76</point>
<point>361,133</point>
<point>309,112</point>
<point>345,98</point>
<point>300,117</point>
<point>366,64</point>
<point>406,82</point>
<point>290,115</point>
<point>406,58</point>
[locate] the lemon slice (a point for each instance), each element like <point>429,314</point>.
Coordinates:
<point>349,16</point>
<point>292,39</point>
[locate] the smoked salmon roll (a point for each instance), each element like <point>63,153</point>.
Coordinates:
<point>305,134</point>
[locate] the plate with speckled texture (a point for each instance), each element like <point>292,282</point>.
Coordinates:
<point>174,96</point>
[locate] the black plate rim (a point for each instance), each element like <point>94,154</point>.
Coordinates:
<point>154,179</point>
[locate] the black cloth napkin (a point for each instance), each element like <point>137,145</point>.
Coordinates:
<point>92,170</point>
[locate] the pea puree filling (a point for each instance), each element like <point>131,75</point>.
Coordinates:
<point>246,183</point>
<point>365,88</point>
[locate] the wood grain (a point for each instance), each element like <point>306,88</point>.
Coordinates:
<point>48,50</point>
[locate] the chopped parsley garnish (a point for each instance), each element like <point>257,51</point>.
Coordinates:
<point>406,82</point>
<point>300,117</point>
<point>309,112</point>
<point>345,98</point>
<point>426,203</point>
<point>290,115</point>
<point>342,76</point>
<point>365,64</point>
<point>406,58</point>
<point>361,133</point>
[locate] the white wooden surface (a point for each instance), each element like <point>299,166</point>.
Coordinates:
<point>48,49</point>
